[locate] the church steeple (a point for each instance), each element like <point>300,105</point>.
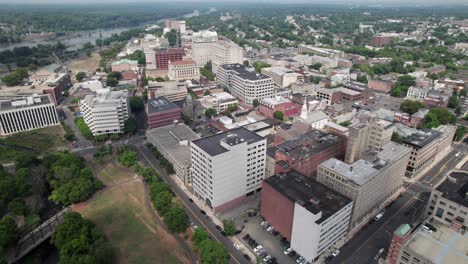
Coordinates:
<point>304,110</point>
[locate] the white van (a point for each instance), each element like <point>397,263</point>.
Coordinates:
<point>378,216</point>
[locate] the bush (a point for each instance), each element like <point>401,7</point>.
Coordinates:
<point>229,227</point>
<point>176,219</point>
<point>162,201</point>
<point>128,158</point>
<point>80,76</point>
<point>8,233</point>
<point>84,129</point>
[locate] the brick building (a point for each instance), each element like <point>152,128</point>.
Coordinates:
<point>268,106</point>
<point>162,112</point>
<point>400,236</point>
<point>305,152</point>
<point>163,56</point>
<point>380,85</point>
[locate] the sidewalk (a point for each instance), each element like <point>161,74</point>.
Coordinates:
<point>213,217</point>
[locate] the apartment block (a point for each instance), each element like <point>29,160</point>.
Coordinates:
<point>162,112</point>
<point>171,90</point>
<point>24,113</point>
<point>183,70</point>
<point>225,51</point>
<point>309,214</point>
<point>245,85</point>
<point>305,152</point>
<point>369,181</point>
<point>228,166</point>
<point>202,48</point>
<point>371,134</point>
<point>159,58</point>
<point>449,202</point>
<point>105,112</point>
<point>124,65</point>
<point>173,142</point>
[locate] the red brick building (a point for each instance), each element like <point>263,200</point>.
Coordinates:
<point>305,152</point>
<point>380,85</point>
<point>400,236</point>
<point>162,112</point>
<point>163,57</point>
<point>269,106</point>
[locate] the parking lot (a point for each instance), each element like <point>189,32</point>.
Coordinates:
<point>270,243</point>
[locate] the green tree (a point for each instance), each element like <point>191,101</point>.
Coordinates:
<point>130,126</point>
<point>460,132</point>
<point>200,235</point>
<point>210,112</point>
<point>454,101</point>
<point>79,241</point>
<point>411,106</point>
<point>116,75</point>
<point>8,233</point>
<point>316,66</point>
<point>229,227</point>
<point>163,202</point>
<point>137,104</point>
<point>362,79</point>
<point>112,82</point>
<point>438,116</point>
<point>80,76</point>
<point>176,219</point>
<point>128,158</point>
<point>402,84</point>
<point>17,206</point>
<point>212,252</point>
<point>207,92</point>
<point>255,102</point>
<point>258,66</point>
<point>278,115</point>
<point>84,129</point>
<point>397,138</point>
<point>246,63</point>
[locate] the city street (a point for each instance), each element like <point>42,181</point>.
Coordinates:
<point>409,208</point>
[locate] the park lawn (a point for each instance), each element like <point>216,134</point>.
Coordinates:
<point>43,139</point>
<point>113,173</point>
<point>85,64</point>
<point>121,213</point>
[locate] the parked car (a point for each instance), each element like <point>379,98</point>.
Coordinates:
<point>190,200</point>
<point>223,233</point>
<point>264,223</point>
<point>266,258</point>
<point>299,259</point>
<point>247,257</point>
<point>218,227</point>
<point>328,259</point>
<point>379,253</point>
<point>378,216</point>
<point>275,233</point>
<point>336,252</point>
<point>202,212</point>
<point>257,248</point>
<point>292,254</point>
<point>246,237</point>
<point>270,229</point>
<point>287,251</point>
<point>237,246</point>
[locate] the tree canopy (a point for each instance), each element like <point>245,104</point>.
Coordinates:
<point>411,106</point>
<point>130,126</point>
<point>438,116</point>
<point>212,252</point>
<point>400,88</point>
<point>176,219</point>
<point>80,76</point>
<point>137,104</point>
<point>80,241</point>
<point>278,115</point>
<point>128,158</point>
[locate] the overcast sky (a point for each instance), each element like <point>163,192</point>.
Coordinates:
<point>219,2</point>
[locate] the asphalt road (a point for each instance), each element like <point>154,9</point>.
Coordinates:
<point>409,208</point>
<point>192,210</point>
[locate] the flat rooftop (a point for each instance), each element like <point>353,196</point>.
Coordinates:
<point>455,188</point>
<point>309,144</point>
<point>363,170</point>
<point>18,102</point>
<point>212,144</point>
<point>160,104</point>
<point>442,246</point>
<point>174,139</point>
<point>309,193</point>
<point>422,137</point>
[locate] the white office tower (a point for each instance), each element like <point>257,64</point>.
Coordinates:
<point>202,48</point>
<point>23,113</point>
<point>226,51</point>
<point>150,55</point>
<point>105,112</point>
<point>227,167</point>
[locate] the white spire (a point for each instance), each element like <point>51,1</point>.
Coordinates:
<point>304,110</point>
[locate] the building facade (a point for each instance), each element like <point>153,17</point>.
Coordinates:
<point>202,48</point>
<point>268,107</point>
<point>19,113</point>
<point>228,166</point>
<point>310,215</point>
<point>124,65</point>
<point>423,144</point>
<point>369,182</point>
<point>105,112</point>
<point>183,70</point>
<point>281,76</point>
<point>162,112</point>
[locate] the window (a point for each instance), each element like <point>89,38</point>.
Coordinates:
<point>440,212</point>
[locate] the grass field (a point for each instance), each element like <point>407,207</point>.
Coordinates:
<point>85,64</point>
<point>39,141</point>
<point>121,213</point>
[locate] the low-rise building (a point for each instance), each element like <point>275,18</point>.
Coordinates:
<point>380,85</point>
<point>268,106</point>
<point>309,214</point>
<point>281,76</point>
<point>124,65</point>
<point>172,90</point>
<point>162,112</point>
<point>305,152</point>
<point>173,141</point>
<point>105,112</point>
<point>417,93</point>
<point>449,201</point>
<point>183,70</point>
<point>423,144</point>
<point>369,181</point>
<point>441,245</point>
<point>24,113</point>
<point>219,101</point>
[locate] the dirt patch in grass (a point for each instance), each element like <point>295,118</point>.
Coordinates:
<point>113,173</point>
<point>121,213</point>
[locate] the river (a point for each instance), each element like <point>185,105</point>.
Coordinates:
<point>76,40</point>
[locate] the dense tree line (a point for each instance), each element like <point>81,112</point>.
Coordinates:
<point>210,250</point>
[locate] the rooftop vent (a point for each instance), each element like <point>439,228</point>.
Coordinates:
<point>314,201</point>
